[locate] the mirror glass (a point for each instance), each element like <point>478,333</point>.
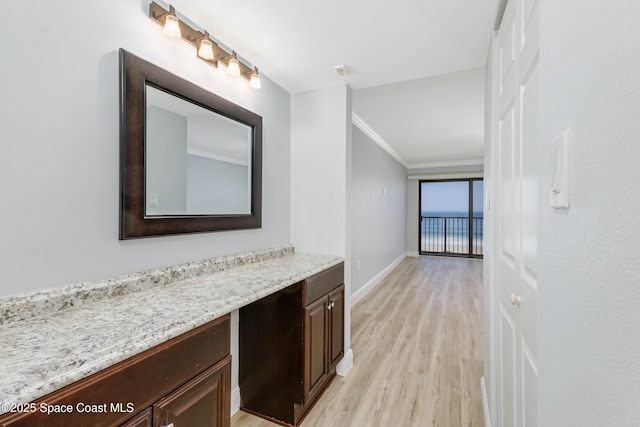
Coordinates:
<point>198,162</point>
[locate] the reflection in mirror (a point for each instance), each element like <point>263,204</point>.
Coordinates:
<point>198,162</point>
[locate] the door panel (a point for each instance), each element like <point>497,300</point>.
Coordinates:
<point>205,400</point>
<point>336,344</point>
<point>506,154</point>
<point>506,54</point>
<point>315,346</point>
<point>529,382</point>
<point>143,419</point>
<point>507,340</point>
<point>529,206</point>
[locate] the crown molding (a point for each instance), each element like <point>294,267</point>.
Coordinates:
<point>443,176</point>
<point>360,124</point>
<point>212,156</point>
<point>447,164</point>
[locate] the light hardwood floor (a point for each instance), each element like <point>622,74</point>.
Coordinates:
<point>417,344</point>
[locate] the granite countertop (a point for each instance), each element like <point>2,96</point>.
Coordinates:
<point>55,337</point>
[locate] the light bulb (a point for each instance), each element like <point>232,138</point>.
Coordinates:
<point>254,82</point>
<point>172,24</point>
<point>233,69</point>
<point>205,51</point>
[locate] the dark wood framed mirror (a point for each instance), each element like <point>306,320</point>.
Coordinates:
<point>190,160</point>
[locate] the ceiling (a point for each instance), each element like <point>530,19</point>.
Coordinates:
<point>428,123</point>
<point>396,51</point>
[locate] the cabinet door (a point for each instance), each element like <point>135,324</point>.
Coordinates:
<point>336,326</point>
<point>203,401</point>
<point>143,419</point>
<point>315,351</point>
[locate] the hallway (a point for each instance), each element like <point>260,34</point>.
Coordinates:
<point>417,343</point>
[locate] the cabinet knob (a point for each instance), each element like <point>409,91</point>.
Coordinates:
<point>333,304</point>
<point>167,425</point>
<point>329,306</point>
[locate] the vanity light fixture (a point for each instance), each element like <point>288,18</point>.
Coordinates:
<point>205,51</point>
<point>233,68</point>
<point>254,81</point>
<point>172,24</point>
<point>206,48</point>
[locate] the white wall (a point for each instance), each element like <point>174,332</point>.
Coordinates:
<point>321,177</point>
<point>589,334</point>
<point>378,193</point>
<point>319,121</point>
<point>60,142</point>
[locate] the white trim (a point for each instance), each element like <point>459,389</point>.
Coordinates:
<point>447,176</point>
<point>209,155</point>
<point>344,366</point>
<point>452,163</point>
<point>367,287</point>
<point>485,403</point>
<point>360,124</point>
<point>413,254</point>
<point>235,400</point>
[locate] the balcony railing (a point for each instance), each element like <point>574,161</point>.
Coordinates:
<point>450,235</point>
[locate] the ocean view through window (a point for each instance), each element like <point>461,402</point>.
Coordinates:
<point>451,217</point>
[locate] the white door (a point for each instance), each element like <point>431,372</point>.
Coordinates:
<point>514,162</point>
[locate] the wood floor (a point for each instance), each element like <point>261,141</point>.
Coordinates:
<point>417,344</point>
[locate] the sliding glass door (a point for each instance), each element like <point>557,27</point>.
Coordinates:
<point>451,217</point>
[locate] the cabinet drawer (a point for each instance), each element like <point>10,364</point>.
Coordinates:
<point>322,283</point>
<point>138,381</point>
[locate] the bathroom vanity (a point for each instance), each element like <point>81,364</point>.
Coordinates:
<point>153,348</point>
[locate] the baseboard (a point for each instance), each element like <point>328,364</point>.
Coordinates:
<point>235,400</point>
<point>344,366</point>
<point>413,254</point>
<point>485,404</point>
<point>367,287</point>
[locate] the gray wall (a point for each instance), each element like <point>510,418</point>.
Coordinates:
<point>588,335</point>
<point>166,161</point>
<point>378,200</point>
<point>59,168</point>
<point>412,217</point>
<point>216,187</point>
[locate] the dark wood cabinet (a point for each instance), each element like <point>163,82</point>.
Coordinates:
<point>324,339</point>
<point>143,419</point>
<point>290,344</point>
<point>315,338</point>
<point>187,377</point>
<point>203,401</point>
<point>336,327</point>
